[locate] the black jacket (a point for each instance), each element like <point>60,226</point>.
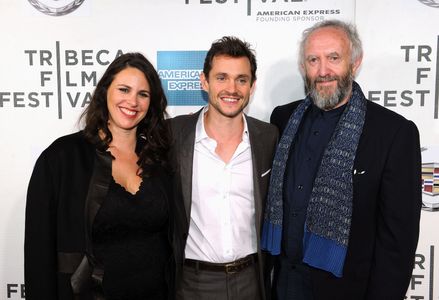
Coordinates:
<point>386,210</point>
<point>69,182</point>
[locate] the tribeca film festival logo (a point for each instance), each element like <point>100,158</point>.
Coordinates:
<point>422,282</point>
<point>276,10</point>
<point>64,76</point>
<point>56,7</point>
<point>431,3</point>
<point>421,54</point>
<point>180,72</point>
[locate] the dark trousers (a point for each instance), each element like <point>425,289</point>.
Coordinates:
<point>292,281</point>
<point>199,284</point>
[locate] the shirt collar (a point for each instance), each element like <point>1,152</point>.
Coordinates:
<point>200,131</point>
<point>327,114</point>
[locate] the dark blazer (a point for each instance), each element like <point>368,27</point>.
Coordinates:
<point>386,210</point>
<point>69,182</point>
<point>263,139</point>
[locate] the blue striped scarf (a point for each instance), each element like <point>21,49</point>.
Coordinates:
<point>329,213</point>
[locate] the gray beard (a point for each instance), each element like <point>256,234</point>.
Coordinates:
<point>328,102</point>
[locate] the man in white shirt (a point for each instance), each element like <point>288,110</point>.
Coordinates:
<point>223,169</point>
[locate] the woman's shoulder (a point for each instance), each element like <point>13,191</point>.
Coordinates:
<point>69,143</point>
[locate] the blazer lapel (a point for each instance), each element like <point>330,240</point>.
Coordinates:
<point>257,149</point>
<point>186,157</point>
<point>98,188</point>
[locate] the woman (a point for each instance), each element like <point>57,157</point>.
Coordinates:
<point>99,212</point>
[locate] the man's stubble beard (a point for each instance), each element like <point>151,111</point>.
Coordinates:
<point>324,98</point>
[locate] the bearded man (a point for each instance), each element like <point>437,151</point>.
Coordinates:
<point>344,199</point>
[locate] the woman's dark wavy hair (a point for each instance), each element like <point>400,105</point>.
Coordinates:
<point>153,133</point>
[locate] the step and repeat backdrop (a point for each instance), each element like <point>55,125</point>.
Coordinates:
<point>53,52</point>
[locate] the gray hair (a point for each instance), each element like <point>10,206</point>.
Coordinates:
<point>349,29</point>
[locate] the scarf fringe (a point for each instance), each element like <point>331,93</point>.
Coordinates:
<point>271,238</point>
<point>324,254</point>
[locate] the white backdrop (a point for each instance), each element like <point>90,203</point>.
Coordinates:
<point>49,64</point>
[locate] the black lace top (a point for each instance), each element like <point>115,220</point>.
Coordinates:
<point>130,241</point>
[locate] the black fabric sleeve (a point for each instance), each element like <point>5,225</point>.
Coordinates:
<point>40,256</point>
<point>398,217</point>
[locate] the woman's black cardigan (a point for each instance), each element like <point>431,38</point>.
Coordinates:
<point>68,184</point>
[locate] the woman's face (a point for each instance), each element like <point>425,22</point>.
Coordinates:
<point>128,98</point>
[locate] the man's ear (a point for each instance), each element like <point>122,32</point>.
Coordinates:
<point>253,88</point>
<point>204,82</point>
<point>356,65</point>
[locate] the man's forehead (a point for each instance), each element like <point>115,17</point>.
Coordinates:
<point>228,64</point>
<point>326,37</point>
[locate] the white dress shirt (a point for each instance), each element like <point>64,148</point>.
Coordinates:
<point>222,220</point>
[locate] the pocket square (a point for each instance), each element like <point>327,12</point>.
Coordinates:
<point>265,173</point>
<point>359,172</point>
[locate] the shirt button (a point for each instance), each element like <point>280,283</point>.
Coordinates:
<point>308,159</point>
<point>316,132</point>
<point>300,187</point>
